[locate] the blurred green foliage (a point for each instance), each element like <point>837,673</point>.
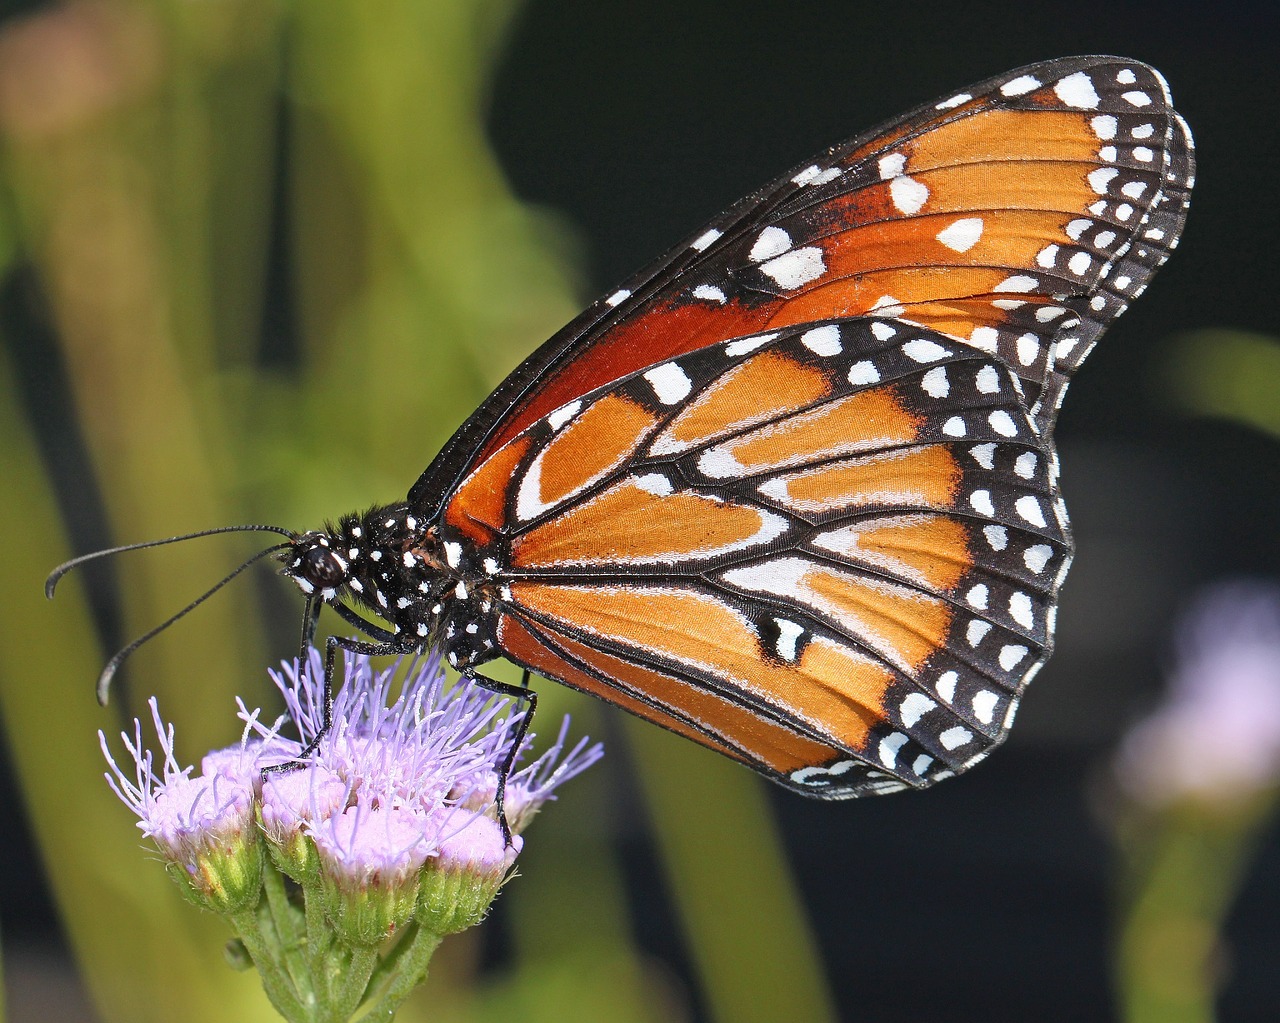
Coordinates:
<point>161,161</point>
<point>1232,374</point>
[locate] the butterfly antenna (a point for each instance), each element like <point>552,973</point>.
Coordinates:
<point>51,583</point>
<point>108,673</point>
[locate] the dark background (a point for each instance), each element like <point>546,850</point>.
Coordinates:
<point>988,898</point>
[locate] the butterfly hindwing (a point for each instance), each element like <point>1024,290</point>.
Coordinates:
<point>820,548</point>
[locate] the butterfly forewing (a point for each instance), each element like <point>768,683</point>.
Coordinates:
<point>1020,215</point>
<point>791,491</point>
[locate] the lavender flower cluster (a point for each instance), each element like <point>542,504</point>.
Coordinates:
<point>388,825</point>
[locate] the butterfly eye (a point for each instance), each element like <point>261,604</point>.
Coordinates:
<point>322,567</point>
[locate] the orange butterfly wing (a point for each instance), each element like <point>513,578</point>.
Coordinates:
<point>791,491</point>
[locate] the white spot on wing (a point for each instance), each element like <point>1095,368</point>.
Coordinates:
<point>935,382</point>
<point>984,705</point>
<point>863,373</point>
<point>1020,609</point>
<point>772,241</point>
<point>669,382</point>
<point>913,708</point>
<point>984,455</point>
<point>923,350</point>
<point>908,194</point>
<point>889,747</point>
<point>796,268</point>
<point>955,737</point>
<point>1020,86</point>
<point>747,344</point>
<point>618,297</point>
<point>1035,558</point>
<point>891,166</point>
<point>962,235</point>
<point>563,414</point>
<point>823,340</point>
<point>1077,91</point>
<point>788,633</point>
<point>954,101</point>
<point>709,293</point>
<point>705,240</point>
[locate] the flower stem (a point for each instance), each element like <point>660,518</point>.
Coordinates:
<point>353,981</point>
<point>289,938</point>
<point>411,971</point>
<point>275,981</point>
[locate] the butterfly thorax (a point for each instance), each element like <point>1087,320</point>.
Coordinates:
<point>396,567</point>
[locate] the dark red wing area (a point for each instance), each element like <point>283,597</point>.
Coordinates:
<point>1018,216</point>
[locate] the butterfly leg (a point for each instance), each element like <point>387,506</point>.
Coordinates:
<point>331,647</point>
<point>522,694</point>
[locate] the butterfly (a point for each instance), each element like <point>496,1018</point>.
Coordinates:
<point>791,491</point>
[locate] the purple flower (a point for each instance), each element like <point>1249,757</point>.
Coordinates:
<point>400,788</point>
<point>1217,735</point>
<point>532,786</point>
<point>203,826</point>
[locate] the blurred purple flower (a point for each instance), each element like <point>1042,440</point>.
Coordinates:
<point>1217,734</point>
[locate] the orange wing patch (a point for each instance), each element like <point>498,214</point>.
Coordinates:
<point>930,550</point>
<point>867,420</point>
<point>478,507</point>
<point>596,441</point>
<point>902,625</point>
<point>763,387</point>
<point>703,715</point>
<point>640,521</point>
<point>925,477</point>
<point>837,692</point>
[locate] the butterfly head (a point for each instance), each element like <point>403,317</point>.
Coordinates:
<point>314,563</point>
